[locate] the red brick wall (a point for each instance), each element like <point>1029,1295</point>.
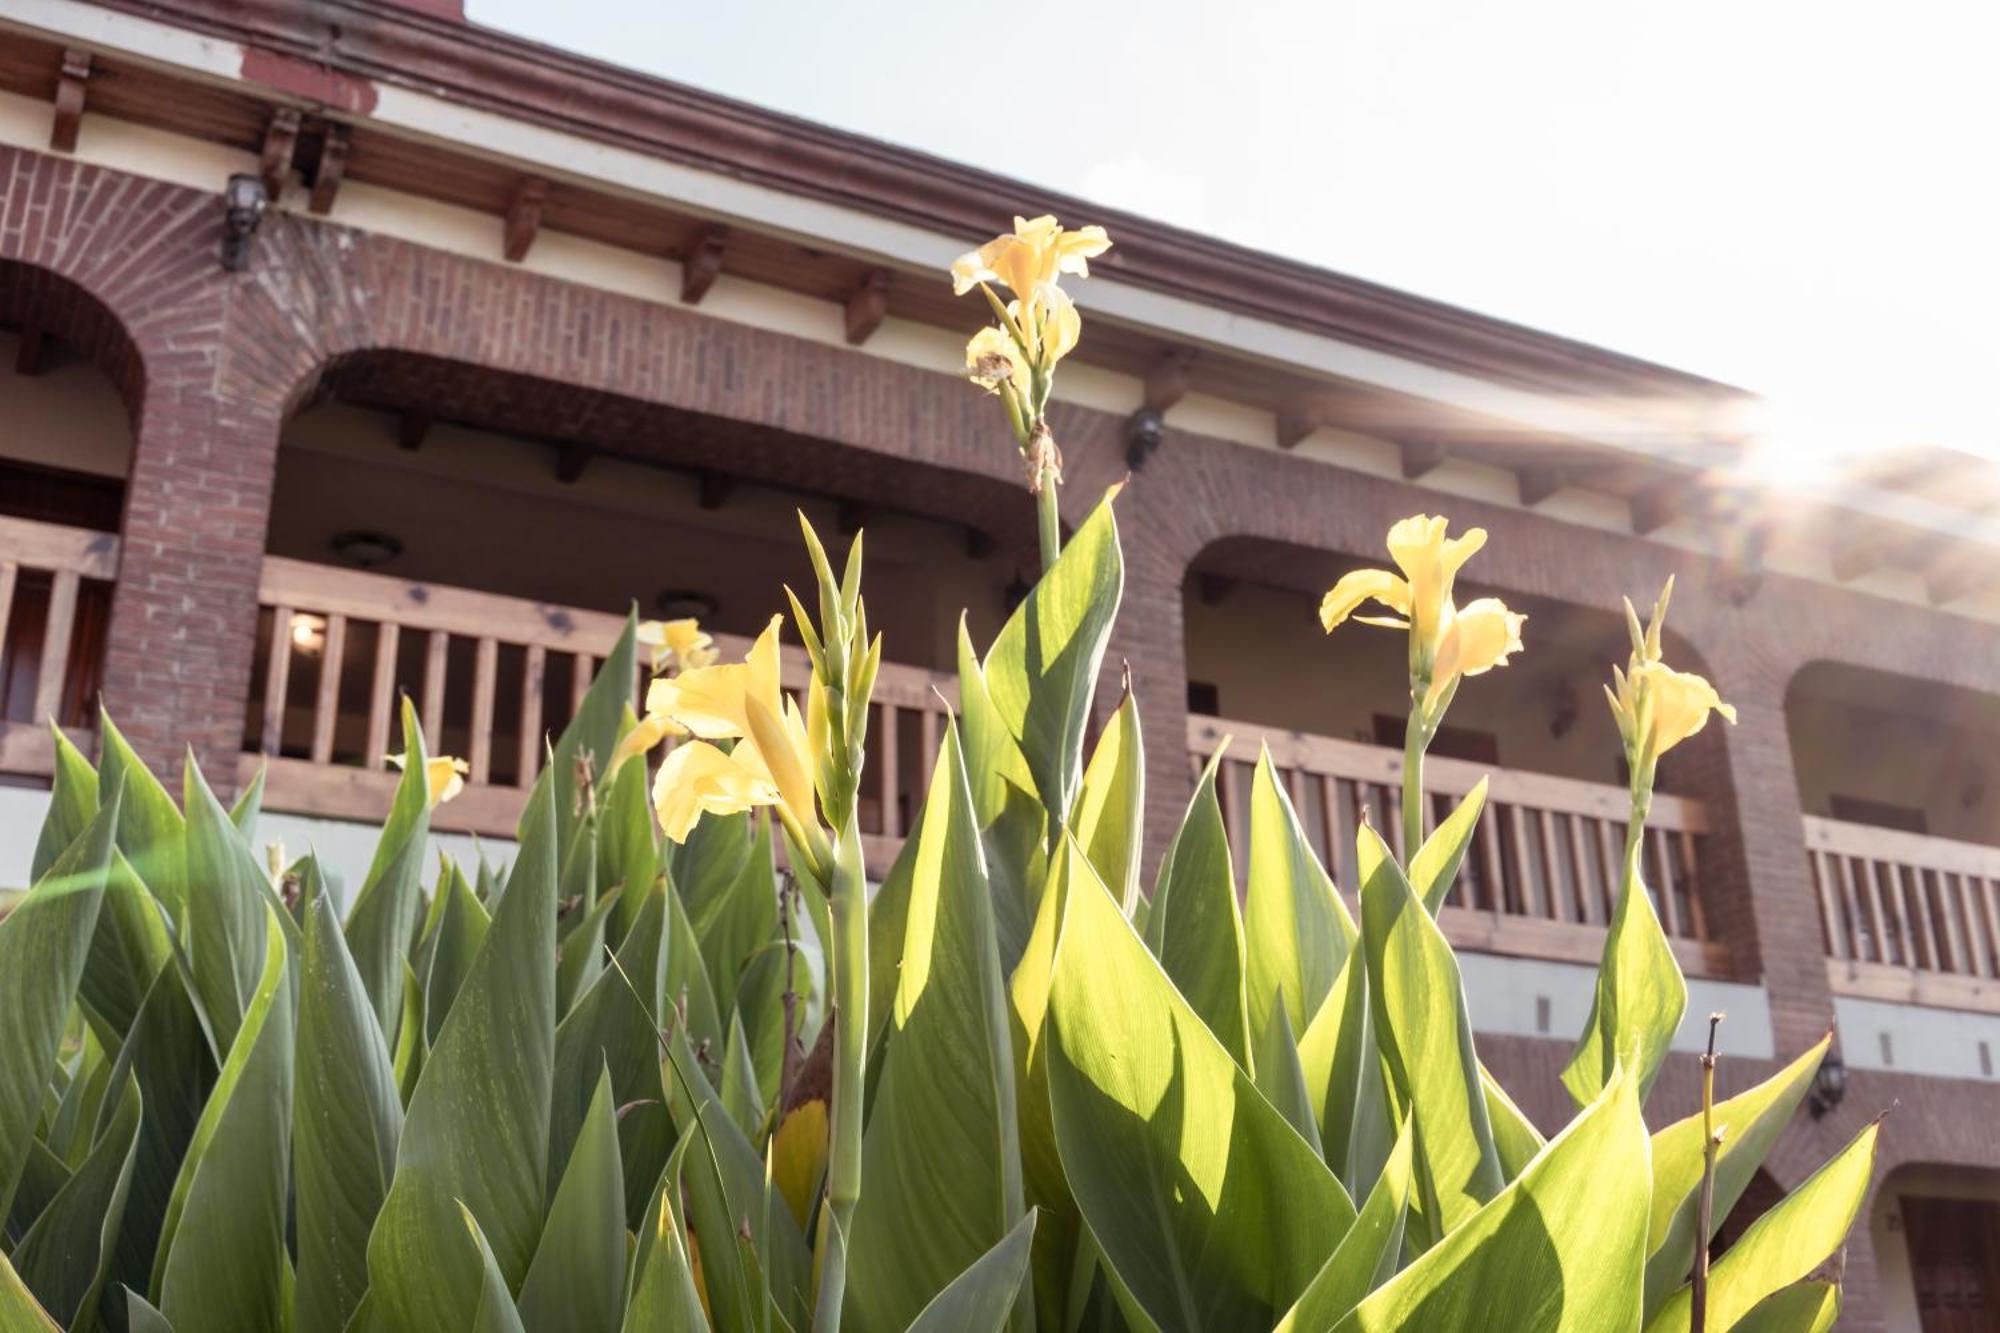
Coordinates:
<point>213,362</point>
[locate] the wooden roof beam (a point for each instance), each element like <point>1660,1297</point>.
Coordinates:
<point>702,263</point>
<point>524,218</point>
<point>1167,379</point>
<point>1660,504</point>
<point>571,460</point>
<point>715,488</point>
<point>867,306</point>
<point>1860,554</point>
<point>411,428</point>
<point>1539,481</point>
<point>274,159</point>
<point>1422,455</point>
<point>329,167</point>
<point>1956,573</point>
<point>72,85</point>
<point>1300,418</point>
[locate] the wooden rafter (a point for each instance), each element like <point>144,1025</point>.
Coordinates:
<point>1421,455</point>
<point>1167,379</point>
<point>281,141</point>
<point>1539,481</point>
<point>1660,504</point>
<point>411,428</point>
<point>72,86</point>
<point>702,263</point>
<point>36,352</point>
<point>330,167</point>
<point>715,488</point>
<point>867,305</point>
<point>571,460</point>
<point>524,217</point>
<point>1298,419</point>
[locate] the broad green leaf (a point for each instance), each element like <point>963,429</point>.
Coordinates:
<point>1296,929</point>
<point>760,1003</point>
<point>44,943</point>
<point>248,806</point>
<point>740,1094</point>
<point>461,930</point>
<point>688,990</point>
<point>591,734</point>
<point>663,1295</point>
<point>151,831</point>
<point>72,804</point>
<point>612,1026</point>
<point>1283,1083</point>
<point>43,1175</point>
<point>1434,869</point>
<point>347,1116</point>
<point>724,877</point>
<point>1515,1137</point>
<point>1803,1307</point>
<point>383,920</point>
<point>66,1256</point>
<point>1342,1074</point>
<point>628,848</point>
<point>1194,926</point>
<point>141,1317</point>
<point>222,1262</point>
<point>980,1299</point>
<point>477,1131</point>
<point>580,914</point>
<point>1557,1251</point>
<point>1639,1000</point>
<point>1012,824</point>
<point>576,1283</point>
<point>940,1157</point>
<point>1042,669</point>
<point>1111,808</point>
<point>888,919</point>
<point>128,950</point>
<point>1366,1257</point>
<point>1783,1245</point>
<point>411,1048</point>
<point>1210,1210</point>
<point>19,1312</point>
<point>495,1312</point>
<point>226,916</point>
<point>1424,1034</point>
<point>1749,1124</point>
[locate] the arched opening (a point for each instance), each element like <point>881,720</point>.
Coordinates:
<point>473,538</point>
<point>1902,825</point>
<point>1936,1232</point>
<point>70,381</point>
<point>1543,872</point>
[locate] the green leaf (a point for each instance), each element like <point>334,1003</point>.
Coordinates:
<point>477,1131</point>
<point>495,1312</point>
<point>940,1157</point>
<point>72,804</point>
<point>577,1279</point>
<point>664,1298</point>
<point>980,1299</point>
<point>1211,1211</point>
<point>19,1312</point>
<point>222,1262</point>
<point>1194,927</point>
<point>592,732</point>
<point>725,878</point>
<point>1803,1307</point>
<point>1342,1076</point>
<point>580,917</point>
<point>1557,1251</point>
<point>66,1256</point>
<point>628,848</point>
<point>44,942</point>
<point>383,920</point>
<point>1749,1124</point>
<point>1042,669</point>
<point>411,1048</point>
<point>1111,808</point>
<point>1639,1000</point>
<point>141,1317</point>
<point>1012,823</point>
<point>1283,1083</point>
<point>1435,867</point>
<point>741,1096</point>
<point>127,951</point>
<point>1424,1034</point>
<point>1366,1257</point>
<point>226,919</point>
<point>1296,929</point>
<point>461,930</point>
<point>248,806</point>
<point>1784,1244</point>
<point>347,1117</point>
<point>151,831</point>
<point>1515,1137</point>
<point>687,984</point>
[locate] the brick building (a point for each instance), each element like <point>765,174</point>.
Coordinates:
<point>522,339</point>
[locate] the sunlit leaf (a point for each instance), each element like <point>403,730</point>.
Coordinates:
<point>1194,926</point>
<point>1639,999</point>
<point>66,1256</point>
<point>1366,1256</point>
<point>383,919</point>
<point>1297,930</point>
<point>980,1299</point>
<point>576,1282</point>
<point>1110,810</point>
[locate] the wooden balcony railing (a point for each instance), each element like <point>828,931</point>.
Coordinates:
<point>492,676</point>
<point>1907,917</point>
<point>1542,875</point>
<point>55,597</point>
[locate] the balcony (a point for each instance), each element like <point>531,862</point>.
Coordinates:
<point>55,598</point>
<point>491,676</point>
<point>1541,878</point>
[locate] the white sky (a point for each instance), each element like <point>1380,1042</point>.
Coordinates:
<point>1800,198</point>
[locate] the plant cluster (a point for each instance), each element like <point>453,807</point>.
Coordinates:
<point>649,1079</point>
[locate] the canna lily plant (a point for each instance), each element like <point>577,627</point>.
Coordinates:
<point>680,1066</point>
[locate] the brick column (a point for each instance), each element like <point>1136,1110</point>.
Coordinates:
<point>184,611</point>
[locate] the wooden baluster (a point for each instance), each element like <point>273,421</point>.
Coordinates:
<point>1554,881</point>
<point>1663,861</point>
<point>1992,912</point>
<point>1389,800</point>
<point>326,709</point>
<point>1229,787</point>
<point>888,791</point>
<point>55,647</point>
<point>381,695</point>
<point>1881,919</point>
<point>1531,903</point>
<point>10,575</point>
<point>1850,902</point>
<point>1976,961</point>
<point>1669,903</point>
<point>485,667</point>
<point>1586,890</point>
<point>1823,872</point>
<point>1349,802</point>
<point>277,675</point>
<point>1614,870</point>
<point>1329,814</point>
<point>927,737</point>
<point>436,646</point>
<point>1913,889</point>
<point>1954,940</point>
<point>1493,869</point>
<point>1697,919</point>
<point>534,673</point>
<point>579,681</point>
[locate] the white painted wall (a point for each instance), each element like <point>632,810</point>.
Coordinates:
<point>1528,997</point>
<point>1897,1293</point>
<point>1911,1039</point>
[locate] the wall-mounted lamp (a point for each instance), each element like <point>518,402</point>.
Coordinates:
<point>365,550</point>
<point>308,633</point>
<point>1143,431</point>
<point>1829,1087</point>
<point>685,604</point>
<point>244,200</point>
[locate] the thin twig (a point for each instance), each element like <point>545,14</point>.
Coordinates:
<point>793,1050</point>
<point>1698,1313</point>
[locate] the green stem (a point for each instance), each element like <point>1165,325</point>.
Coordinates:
<point>1049,520</point>
<point>1416,739</point>
<point>847,967</point>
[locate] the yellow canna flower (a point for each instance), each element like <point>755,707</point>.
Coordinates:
<point>1656,706</point>
<point>698,779</point>
<point>992,359</point>
<point>1035,252</point>
<point>444,777</point>
<point>1477,637</point>
<point>1430,562</point>
<point>682,644</point>
<point>650,731</point>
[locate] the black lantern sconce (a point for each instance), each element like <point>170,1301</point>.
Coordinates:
<point>244,201</point>
<point>1143,431</point>
<point>1829,1087</point>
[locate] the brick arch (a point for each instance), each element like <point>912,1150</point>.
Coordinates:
<point>35,297</point>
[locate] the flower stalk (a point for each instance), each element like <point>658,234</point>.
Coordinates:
<point>1710,1141</point>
